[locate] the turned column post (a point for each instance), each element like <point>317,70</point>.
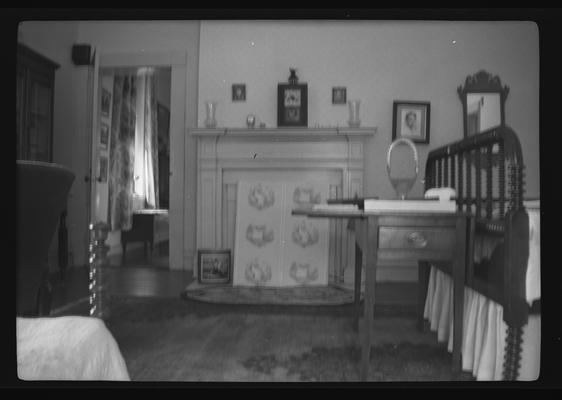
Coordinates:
<point>99,282</point>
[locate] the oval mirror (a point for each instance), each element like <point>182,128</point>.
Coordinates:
<point>483,99</point>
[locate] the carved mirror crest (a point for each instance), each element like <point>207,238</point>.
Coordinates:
<point>483,99</point>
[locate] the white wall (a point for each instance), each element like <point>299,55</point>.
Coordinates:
<point>378,62</point>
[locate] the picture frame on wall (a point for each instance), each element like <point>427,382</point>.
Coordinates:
<point>410,120</point>
<point>104,136</point>
<point>238,92</point>
<point>292,105</point>
<point>339,95</point>
<point>105,102</point>
<point>103,164</point>
<point>214,265</point>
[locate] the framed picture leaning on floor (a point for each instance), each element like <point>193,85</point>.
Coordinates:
<point>213,265</point>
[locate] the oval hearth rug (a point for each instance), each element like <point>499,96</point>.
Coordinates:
<point>302,295</point>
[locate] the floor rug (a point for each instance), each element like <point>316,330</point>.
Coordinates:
<point>181,340</point>
<point>302,295</point>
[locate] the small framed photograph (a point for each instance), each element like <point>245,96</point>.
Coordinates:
<point>292,104</point>
<point>339,95</point>
<point>105,102</point>
<point>213,265</point>
<point>239,92</point>
<point>410,120</point>
<point>104,135</point>
<point>103,169</point>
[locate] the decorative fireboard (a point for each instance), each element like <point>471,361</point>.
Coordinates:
<point>228,156</point>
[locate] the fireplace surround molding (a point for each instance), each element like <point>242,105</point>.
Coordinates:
<point>227,155</point>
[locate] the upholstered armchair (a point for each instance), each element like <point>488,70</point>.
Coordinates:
<point>41,194</point>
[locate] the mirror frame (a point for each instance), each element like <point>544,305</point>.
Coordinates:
<point>482,82</point>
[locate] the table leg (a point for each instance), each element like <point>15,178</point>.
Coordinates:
<point>370,235</point>
<point>423,280</point>
<point>124,255</point>
<point>357,286</point>
<point>458,292</point>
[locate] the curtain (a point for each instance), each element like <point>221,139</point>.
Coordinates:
<point>121,152</point>
<point>150,153</point>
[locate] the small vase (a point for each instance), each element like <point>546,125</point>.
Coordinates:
<point>354,120</point>
<point>251,121</point>
<point>211,109</point>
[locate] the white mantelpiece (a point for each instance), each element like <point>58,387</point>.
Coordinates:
<point>227,155</point>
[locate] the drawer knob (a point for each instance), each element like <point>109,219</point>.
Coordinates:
<point>417,240</point>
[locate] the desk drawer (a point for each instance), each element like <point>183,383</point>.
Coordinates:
<point>436,239</point>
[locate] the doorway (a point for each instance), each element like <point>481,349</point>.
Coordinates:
<point>133,184</point>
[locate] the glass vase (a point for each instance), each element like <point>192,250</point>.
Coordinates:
<point>211,110</point>
<point>354,121</point>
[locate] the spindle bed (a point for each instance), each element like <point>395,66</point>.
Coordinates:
<point>486,171</point>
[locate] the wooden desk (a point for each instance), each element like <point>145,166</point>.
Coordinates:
<point>405,236</point>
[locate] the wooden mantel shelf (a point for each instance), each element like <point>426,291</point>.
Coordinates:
<point>284,132</point>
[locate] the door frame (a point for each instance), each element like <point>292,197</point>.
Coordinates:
<point>177,61</point>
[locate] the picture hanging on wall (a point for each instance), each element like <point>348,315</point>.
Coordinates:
<point>239,92</point>
<point>105,102</point>
<point>104,135</point>
<point>339,95</point>
<point>292,102</point>
<point>411,121</point>
<point>103,169</point>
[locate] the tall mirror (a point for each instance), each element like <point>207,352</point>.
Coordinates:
<point>483,98</point>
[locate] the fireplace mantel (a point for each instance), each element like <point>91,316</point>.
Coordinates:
<point>287,133</point>
<point>227,155</point>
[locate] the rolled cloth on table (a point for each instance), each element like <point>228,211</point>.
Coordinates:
<point>444,193</point>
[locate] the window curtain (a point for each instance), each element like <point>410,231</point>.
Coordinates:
<point>121,152</point>
<point>150,153</point>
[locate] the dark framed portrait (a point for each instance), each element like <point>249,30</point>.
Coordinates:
<point>339,95</point>
<point>411,121</point>
<point>105,102</point>
<point>213,265</point>
<point>104,135</point>
<point>292,104</point>
<point>239,92</point>
<point>103,169</point>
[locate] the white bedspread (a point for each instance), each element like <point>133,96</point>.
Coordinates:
<point>484,331</point>
<point>67,348</point>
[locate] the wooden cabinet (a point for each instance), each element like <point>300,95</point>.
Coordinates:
<point>34,105</point>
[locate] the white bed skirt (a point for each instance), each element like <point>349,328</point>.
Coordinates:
<point>67,348</point>
<point>484,331</point>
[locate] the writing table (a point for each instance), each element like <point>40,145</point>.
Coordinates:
<point>424,237</point>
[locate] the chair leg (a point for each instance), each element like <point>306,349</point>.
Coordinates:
<point>124,255</point>
<point>44,296</point>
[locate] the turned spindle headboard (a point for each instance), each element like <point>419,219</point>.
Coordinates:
<point>486,170</point>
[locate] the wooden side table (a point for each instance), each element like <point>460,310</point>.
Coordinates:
<point>406,236</point>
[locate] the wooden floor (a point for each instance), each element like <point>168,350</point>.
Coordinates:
<point>155,280</point>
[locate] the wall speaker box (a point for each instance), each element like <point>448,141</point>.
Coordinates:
<point>82,54</point>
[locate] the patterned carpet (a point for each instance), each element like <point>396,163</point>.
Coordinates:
<point>182,340</point>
